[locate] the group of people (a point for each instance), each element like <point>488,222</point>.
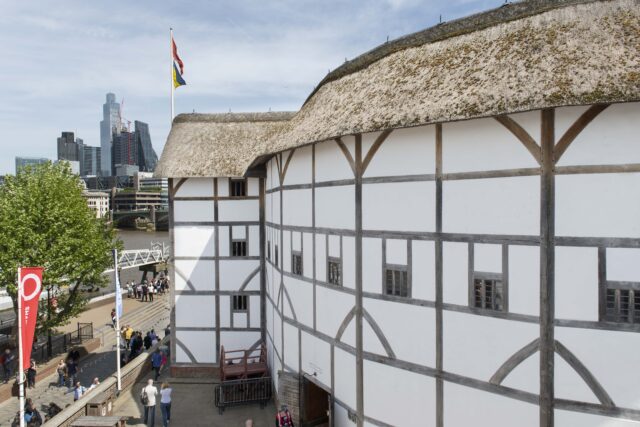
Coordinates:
<point>145,291</point>
<point>135,343</point>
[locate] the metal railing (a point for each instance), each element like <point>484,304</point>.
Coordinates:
<point>61,344</point>
<point>241,392</point>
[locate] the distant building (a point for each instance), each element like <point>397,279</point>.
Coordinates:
<point>98,202</point>
<point>124,151</point>
<point>69,148</point>
<point>126,170</point>
<point>132,200</point>
<point>111,124</point>
<point>29,161</point>
<point>73,164</point>
<point>147,157</point>
<point>145,181</point>
<point>90,165</point>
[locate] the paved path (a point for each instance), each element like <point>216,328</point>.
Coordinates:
<point>102,363</point>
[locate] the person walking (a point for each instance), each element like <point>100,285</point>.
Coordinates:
<point>94,384</point>
<point>78,391</point>
<point>72,371</point>
<point>156,362</point>
<point>165,403</point>
<point>147,341</point>
<point>145,291</point>
<point>61,369</point>
<point>152,290</point>
<point>148,398</point>
<point>283,417</point>
<point>128,333</point>
<point>31,374</point>
<point>113,318</point>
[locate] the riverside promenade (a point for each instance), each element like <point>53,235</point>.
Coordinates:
<point>142,316</point>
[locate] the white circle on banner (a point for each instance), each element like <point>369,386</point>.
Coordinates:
<point>36,279</point>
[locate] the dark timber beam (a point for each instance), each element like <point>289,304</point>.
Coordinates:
<point>359,312</point>
<point>438,255</point>
<point>547,266</point>
<point>263,264</point>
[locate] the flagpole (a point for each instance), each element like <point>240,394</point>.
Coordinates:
<point>118,313</point>
<point>171,69</point>
<point>20,373</point>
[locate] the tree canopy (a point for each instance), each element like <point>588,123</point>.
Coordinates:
<point>45,222</point>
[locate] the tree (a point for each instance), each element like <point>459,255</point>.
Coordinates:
<point>45,221</point>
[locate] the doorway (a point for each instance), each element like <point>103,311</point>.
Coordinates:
<point>317,405</point>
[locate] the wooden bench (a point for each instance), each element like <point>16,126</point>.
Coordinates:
<point>243,364</point>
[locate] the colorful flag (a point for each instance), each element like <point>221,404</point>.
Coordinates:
<point>29,288</point>
<point>177,62</point>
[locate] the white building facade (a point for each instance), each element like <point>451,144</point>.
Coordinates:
<point>97,202</point>
<point>447,261</point>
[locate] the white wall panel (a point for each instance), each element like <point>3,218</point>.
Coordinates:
<point>409,151</point>
<point>297,207</point>
<point>195,187</point>
<point>423,284</point>
<point>598,205</point>
<point>253,187</point>
<point>396,251</point>
<point>291,346</point>
<point>331,164</point>
<point>202,344</point>
<point>194,241</point>
<point>301,294</point>
<point>524,280</point>
<point>372,265</point>
<point>526,376</point>
<point>370,341</point>
<point>492,206</point>
<point>576,283</point>
<point>398,397</point>
<point>185,211</point>
<point>490,340</point>
<point>612,357</point>
<point>238,210</point>
<point>316,357</point>
<point>240,320</point>
<point>254,241</point>
<point>487,258</point>
<point>623,264</point>
<point>455,277</point>
<point>225,311</point>
<point>254,304</point>
<point>234,272</point>
<point>238,340</point>
<point>406,206</point>
<point>195,311</point>
<point>334,246</point>
<point>224,244</point>
<point>200,273</point>
<point>332,307</point>
<point>285,261</point>
<point>345,378</point>
<point>223,187</point>
<point>466,406</point>
<point>335,207</point>
<point>482,144</point>
<point>611,138</point>
<point>569,385</point>
<point>395,319</point>
<point>349,262</point>
<point>275,207</point>
<point>299,170</point>
<point>307,254</point>
<point>570,419</point>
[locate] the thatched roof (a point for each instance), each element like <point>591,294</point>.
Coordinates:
<point>520,57</point>
<point>211,145</point>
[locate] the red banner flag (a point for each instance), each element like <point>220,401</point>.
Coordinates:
<point>30,286</point>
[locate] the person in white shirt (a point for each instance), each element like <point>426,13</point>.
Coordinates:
<point>149,394</point>
<point>94,384</point>
<point>165,403</point>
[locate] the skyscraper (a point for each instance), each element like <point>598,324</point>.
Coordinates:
<point>91,161</point>
<point>147,157</point>
<point>109,126</point>
<point>29,161</point>
<point>124,150</point>
<point>68,148</point>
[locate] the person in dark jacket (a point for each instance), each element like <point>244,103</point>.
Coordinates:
<point>147,341</point>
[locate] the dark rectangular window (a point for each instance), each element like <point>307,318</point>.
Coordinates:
<point>240,303</point>
<point>622,304</point>
<point>237,187</point>
<point>296,263</point>
<point>396,281</point>
<point>277,255</point>
<point>268,250</point>
<point>239,248</point>
<point>334,271</point>
<point>488,293</point>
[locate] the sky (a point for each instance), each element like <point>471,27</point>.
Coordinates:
<point>61,57</point>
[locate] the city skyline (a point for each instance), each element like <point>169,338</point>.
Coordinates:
<point>243,57</point>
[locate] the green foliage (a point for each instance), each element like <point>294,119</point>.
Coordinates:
<point>45,221</point>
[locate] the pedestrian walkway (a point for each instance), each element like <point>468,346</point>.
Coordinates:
<point>192,405</point>
<point>102,363</point>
